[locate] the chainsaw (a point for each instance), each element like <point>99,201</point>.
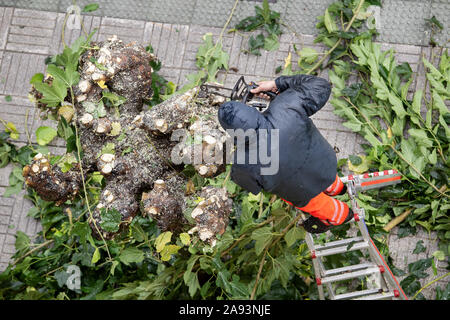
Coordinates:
<point>240,92</point>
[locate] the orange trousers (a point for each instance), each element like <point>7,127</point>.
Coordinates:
<point>326,208</point>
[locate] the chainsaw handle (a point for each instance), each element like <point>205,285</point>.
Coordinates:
<point>253,85</point>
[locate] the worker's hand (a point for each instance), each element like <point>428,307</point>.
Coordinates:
<point>265,86</point>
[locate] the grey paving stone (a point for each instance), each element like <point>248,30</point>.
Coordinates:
<point>302,15</point>
<point>130,9</point>
<point>6,16</point>
<point>406,16</point>
<point>38,26</point>
<point>172,11</point>
<point>125,29</point>
<point>47,5</point>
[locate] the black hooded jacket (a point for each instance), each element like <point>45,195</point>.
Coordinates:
<point>307,162</point>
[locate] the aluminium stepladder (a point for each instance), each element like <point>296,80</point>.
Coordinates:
<point>386,286</point>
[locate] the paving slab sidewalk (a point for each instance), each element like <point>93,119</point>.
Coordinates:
<point>28,37</point>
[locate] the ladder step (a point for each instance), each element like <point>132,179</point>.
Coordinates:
<point>350,275</point>
<point>350,295</point>
<point>380,296</point>
<point>354,267</point>
<point>341,249</point>
<point>338,243</point>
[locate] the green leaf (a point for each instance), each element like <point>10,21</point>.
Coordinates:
<point>37,78</point>
<point>271,43</point>
<point>355,160</point>
<point>434,21</point>
<point>162,240</point>
<point>329,22</point>
<point>421,137</point>
<point>22,241</point>
<point>45,134</point>
<point>82,230</point>
<point>110,219</point>
<point>419,247</point>
<point>439,254</point>
<point>293,235</point>
<point>95,256</point>
<point>410,285</point>
<point>113,98</point>
<point>309,55</point>
<point>417,268</point>
<point>397,105</point>
<point>408,147</point>
<point>116,128</point>
<point>404,70</point>
<point>191,280</point>
<point>417,101</point>
<point>90,7</point>
<point>185,238</point>
<point>130,255</point>
<point>69,76</point>
<point>263,237</point>
<point>256,43</point>
<point>168,250</point>
<point>11,128</point>
<point>61,277</point>
<point>4,155</point>
<point>8,98</point>
<point>54,94</point>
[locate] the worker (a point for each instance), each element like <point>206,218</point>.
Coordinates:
<point>307,175</point>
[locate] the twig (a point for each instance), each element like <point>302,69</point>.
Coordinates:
<point>430,283</point>
<point>44,244</point>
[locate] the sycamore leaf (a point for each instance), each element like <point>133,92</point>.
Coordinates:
<point>293,235</point>
<point>271,43</point>
<point>69,76</point>
<point>130,255</point>
<point>263,237</point>
<point>54,94</point>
